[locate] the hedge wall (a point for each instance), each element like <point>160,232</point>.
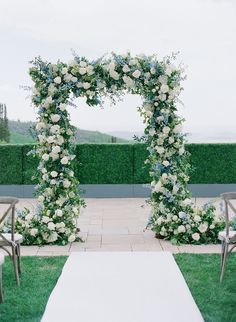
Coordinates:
<point>121,163</point>
<point>11,167</point>
<point>104,163</point>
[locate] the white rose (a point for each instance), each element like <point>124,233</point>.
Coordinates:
<point>51,226</point>
<point>163,79</point>
<point>48,101</point>
<point>197,218</point>
<point>83,63</point>
<point>159,221</point>
<point>64,160</point>
<point>177,128</point>
<point>56,149</point>
<point>71,238</point>
<point>86,85</point>
<point>58,212</point>
<point>175,218</point>
<point>128,81</point>
<point>149,113</point>
<point>62,107</point>
<point>203,227</point>
<point>166,163</point>
<point>187,202</point>
<point>164,88</point>
<point>54,174</point>
<point>33,232</point>
<point>114,74</point>
<point>55,118</point>
<point>195,236</point>
<point>45,157</point>
<point>82,70</point>
<point>166,129</point>
<point>71,194</point>
<point>40,125</point>
<point>64,71</point>
<point>158,187</point>
<point>126,69</point>
<point>171,140</point>
<point>60,140</point>
<point>57,80</point>
<point>55,129</point>
<point>152,131</point>
<point>41,198</point>
<point>160,150</point>
<point>181,229</point>
<point>66,183</point>
<point>136,73</point>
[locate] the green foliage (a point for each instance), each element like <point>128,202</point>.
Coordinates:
<point>213,163</point>
<point>104,163</point>
<point>29,164</point>
<point>121,163</point>
<point>141,170</point>
<point>11,164</point>
<point>216,301</point>
<point>27,302</point>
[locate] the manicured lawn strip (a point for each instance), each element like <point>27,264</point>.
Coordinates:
<point>27,302</point>
<point>216,301</point>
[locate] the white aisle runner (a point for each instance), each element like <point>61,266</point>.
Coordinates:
<point>121,287</point>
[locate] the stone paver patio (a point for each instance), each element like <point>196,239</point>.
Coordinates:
<point>114,225</point>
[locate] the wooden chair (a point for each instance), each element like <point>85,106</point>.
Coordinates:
<point>227,237</point>
<point>1,264</point>
<point>11,240</point>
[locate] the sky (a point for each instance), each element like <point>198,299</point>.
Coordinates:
<point>203,31</point>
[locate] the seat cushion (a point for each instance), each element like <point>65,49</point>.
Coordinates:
<point>1,258</point>
<point>222,235</point>
<point>17,237</point>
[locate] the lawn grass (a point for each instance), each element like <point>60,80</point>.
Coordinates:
<point>217,302</point>
<point>26,303</point>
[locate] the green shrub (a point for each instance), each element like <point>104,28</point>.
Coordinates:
<point>121,163</point>
<point>104,163</point>
<point>141,170</point>
<point>213,163</point>
<point>30,164</point>
<point>11,164</point>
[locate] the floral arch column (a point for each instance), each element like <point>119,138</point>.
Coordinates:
<point>159,84</point>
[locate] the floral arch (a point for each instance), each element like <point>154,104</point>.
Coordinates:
<point>173,215</point>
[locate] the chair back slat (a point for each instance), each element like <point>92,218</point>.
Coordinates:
<point>10,211</point>
<point>227,196</point>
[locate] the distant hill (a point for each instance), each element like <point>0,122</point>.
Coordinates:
<point>23,132</point>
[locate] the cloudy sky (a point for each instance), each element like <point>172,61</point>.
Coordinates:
<point>202,30</point>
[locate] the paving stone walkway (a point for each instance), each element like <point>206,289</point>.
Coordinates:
<point>115,225</point>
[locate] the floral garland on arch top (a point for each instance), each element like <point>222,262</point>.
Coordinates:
<point>173,216</point>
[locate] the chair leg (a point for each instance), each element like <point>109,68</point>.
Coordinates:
<point>1,290</point>
<point>15,265</point>
<point>224,262</point>
<point>18,258</point>
<point>222,253</point>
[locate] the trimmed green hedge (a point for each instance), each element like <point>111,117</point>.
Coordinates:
<point>104,163</point>
<point>11,164</point>
<point>121,163</point>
